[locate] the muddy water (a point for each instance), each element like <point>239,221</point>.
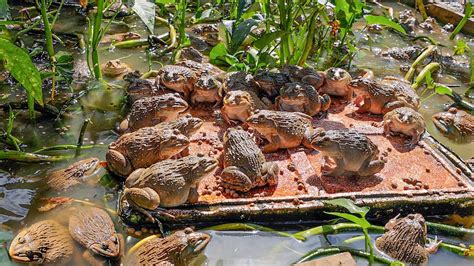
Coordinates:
<point>21,184</point>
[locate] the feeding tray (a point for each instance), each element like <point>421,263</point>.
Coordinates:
<point>426,178</point>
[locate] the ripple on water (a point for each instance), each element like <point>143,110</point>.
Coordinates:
<point>14,202</point>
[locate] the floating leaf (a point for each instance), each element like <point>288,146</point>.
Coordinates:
<point>385,22</point>
<point>349,205</point>
<point>19,64</point>
<point>48,204</point>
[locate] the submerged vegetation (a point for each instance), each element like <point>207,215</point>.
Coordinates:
<point>131,107</point>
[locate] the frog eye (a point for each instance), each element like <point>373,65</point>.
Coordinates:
<point>188,116</point>
<point>262,116</point>
<point>188,230</point>
<point>452,110</point>
<point>21,240</point>
<point>176,132</point>
<point>200,155</point>
<point>115,240</point>
<point>173,137</point>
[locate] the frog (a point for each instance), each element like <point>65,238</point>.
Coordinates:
<point>139,88</point>
<point>143,148</point>
<point>177,78</point>
<point>120,37</point>
<point>406,121</point>
<point>150,111</point>
<point>405,240</point>
<point>245,166</point>
<point>175,249</point>
<point>114,68</point>
<point>75,174</point>
<point>208,32</point>
<point>375,28</point>
<point>271,82</point>
<point>305,75</point>
<point>456,124</point>
<point>166,184</point>
<point>192,54</point>
<point>186,125</point>
<point>207,89</point>
<point>403,53</point>
<point>203,68</point>
<point>282,130</point>
<point>407,19</point>
<point>381,98</point>
<point>430,25</point>
<point>353,153</point>
<point>298,97</point>
<point>45,242</point>
<point>337,83</point>
<point>241,81</point>
<point>93,228</point>
<point>238,105</point>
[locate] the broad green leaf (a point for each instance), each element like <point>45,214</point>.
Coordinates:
<point>385,22</point>
<point>145,9</point>
<point>218,53</point>
<point>20,66</point>
<point>443,90</point>
<point>360,221</point>
<point>240,33</point>
<point>349,205</point>
<point>397,263</point>
<point>460,47</point>
<point>267,38</point>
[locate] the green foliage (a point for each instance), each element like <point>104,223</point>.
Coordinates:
<point>467,14</point>
<point>381,20</point>
<point>145,9</point>
<point>461,47</point>
<point>4,10</point>
<point>65,65</point>
<point>20,66</point>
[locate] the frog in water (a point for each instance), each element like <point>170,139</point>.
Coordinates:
<point>46,242</point>
<point>75,174</point>
<point>114,68</point>
<point>405,239</point>
<point>175,249</point>
<point>455,124</point>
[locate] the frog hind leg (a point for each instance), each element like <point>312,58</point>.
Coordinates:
<point>142,200</point>
<point>371,167</point>
<point>273,145</point>
<point>232,177</point>
<point>270,172</point>
<point>118,163</point>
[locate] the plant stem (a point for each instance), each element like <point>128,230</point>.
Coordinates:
<point>430,68</point>
<point>64,147</point>
<point>427,52</point>
<point>96,28</point>
<point>467,15</point>
<point>81,135</point>
<point>248,226</point>
<point>26,157</point>
<point>48,34</point>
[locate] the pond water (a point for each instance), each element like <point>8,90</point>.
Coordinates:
<point>20,184</point>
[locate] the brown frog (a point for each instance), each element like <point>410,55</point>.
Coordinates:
<point>190,53</point>
<point>456,124</point>
<point>45,242</point>
<point>381,98</point>
<point>175,249</point>
<point>203,68</point>
<point>206,90</point>
<point>150,111</point>
<point>305,75</point>
<point>169,183</point>
<point>186,125</point>
<point>283,130</point>
<point>178,78</point>
<point>244,164</point>
<point>114,68</point>
<point>271,82</point>
<point>298,97</point>
<point>405,240</point>
<point>406,121</point>
<point>208,32</point>
<point>353,153</point>
<point>139,88</point>
<point>143,148</point>
<point>337,83</point>
<point>93,228</point>
<point>239,105</point>
<point>240,80</point>
<point>73,175</point>
<point>403,53</point>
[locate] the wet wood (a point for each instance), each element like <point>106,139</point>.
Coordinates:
<point>333,260</point>
<point>446,15</point>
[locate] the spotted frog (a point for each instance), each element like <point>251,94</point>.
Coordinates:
<point>406,121</point>
<point>298,97</point>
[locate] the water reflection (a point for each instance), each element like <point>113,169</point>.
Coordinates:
<point>14,201</point>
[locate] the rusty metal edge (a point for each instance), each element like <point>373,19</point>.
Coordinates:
<point>304,208</point>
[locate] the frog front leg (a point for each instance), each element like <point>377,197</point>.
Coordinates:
<point>118,163</point>
<point>273,145</point>
<point>338,170</point>
<point>193,196</point>
<point>234,178</point>
<point>270,172</point>
<point>365,106</point>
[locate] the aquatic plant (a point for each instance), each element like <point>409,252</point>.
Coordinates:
<point>467,14</point>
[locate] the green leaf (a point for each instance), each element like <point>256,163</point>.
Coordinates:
<point>4,9</point>
<point>360,221</point>
<point>349,205</point>
<point>385,22</point>
<point>145,9</point>
<point>20,66</point>
<point>64,65</point>
<point>240,33</point>
<point>164,2</point>
<point>467,15</point>
<point>218,53</point>
<point>267,38</point>
<point>460,47</point>
<point>443,90</point>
